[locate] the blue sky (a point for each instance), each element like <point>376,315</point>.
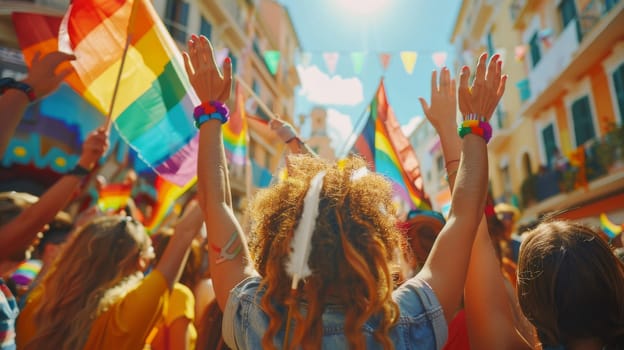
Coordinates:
<point>374,27</point>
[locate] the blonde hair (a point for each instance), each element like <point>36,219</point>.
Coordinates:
<point>353,241</point>
<point>97,268</point>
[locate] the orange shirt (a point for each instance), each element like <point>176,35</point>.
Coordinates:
<point>181,305</point>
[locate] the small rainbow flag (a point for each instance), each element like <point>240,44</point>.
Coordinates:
<point>113,197</point>
<point>612,230</point>
<point>388,152</point>
<point>235,132</point>
<point>167,195</point>
<point>153,110</point>
<point>26,272</point>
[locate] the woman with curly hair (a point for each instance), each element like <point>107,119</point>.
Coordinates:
<point>322,238</point>
<point>95,296</point>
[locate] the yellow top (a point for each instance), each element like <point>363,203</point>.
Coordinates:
<point>181,305</point>
<point>125,325</point>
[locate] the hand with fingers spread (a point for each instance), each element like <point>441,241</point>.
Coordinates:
<point>443,109</point>
<point>209,82</point>
<point>43,76</point>
<point>487,89</point>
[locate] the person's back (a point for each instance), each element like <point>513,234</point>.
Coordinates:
<point>421,319</point>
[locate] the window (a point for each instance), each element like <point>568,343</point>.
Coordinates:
<point>567,11</point>
<point>506,176</point>
<point>536,55</point>
<point>548,138</point>
<point>490,44</point>
<point>205,28</point>
<point>234,63</point>
<point>176,19</point>
<point>583,121</point>
<point>618,83</point>
<point>255,87</point>
<point>440,163</point>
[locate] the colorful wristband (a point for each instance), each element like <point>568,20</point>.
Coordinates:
<point>211,110</point>
<point>476,127</point>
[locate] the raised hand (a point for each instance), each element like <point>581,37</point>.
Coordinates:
<point>93,148</point>
<point>443,109</point>
<point>283,129</point>
<point>43,77</point>
<point>487,89</point>
<point>209,82</point>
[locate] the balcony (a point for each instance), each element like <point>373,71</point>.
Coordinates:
<point>599,175</point>
<point>519,9</point>
<point>562,64</point>
<point>554,60</point>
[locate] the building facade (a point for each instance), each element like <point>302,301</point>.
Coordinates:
<point>558,130</point>
<point>246,29</point>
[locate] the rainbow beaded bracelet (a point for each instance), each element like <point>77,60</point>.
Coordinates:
<point>476,127</point>
<point>211,110</point>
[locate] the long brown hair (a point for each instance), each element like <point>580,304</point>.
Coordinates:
<point>570,284</point>
<point>353,241</point>
<point>97,268</point>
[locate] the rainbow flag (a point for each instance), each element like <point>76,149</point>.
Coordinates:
<point>388,152</point>
<point>235,135</point>
<point>113,197</point>
<point>154,104</point>
<point>612,230</point>
<point>26,272</point>
<point>167,195</point>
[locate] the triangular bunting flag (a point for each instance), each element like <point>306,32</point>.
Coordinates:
<point>357,59</point>
<point>331,60</point>
<point>439,58</point>
<point>409,60</point>
<point>384,57</point>
<point>306,59</point>
<point>271,58</point>
<point>520,52</point>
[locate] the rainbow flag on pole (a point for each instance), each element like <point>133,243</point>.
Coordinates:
<point>154,104</point>
<point>388,152</point>
<point>610,229</point>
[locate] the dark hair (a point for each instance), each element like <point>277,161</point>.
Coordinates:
<point>570,284</point>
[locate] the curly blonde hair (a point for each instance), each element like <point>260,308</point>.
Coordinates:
<point>352,243</point>
<point>97,269</point>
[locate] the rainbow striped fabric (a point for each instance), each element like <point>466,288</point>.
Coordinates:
<point>609,228</point>
<point>235,132</point>
<point>113,197</point>
<point>154,104</point>
<point>167,195</point>
<point>388,152</point>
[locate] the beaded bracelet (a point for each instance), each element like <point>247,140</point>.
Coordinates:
<point>211,110</point>
<point>476,127</point>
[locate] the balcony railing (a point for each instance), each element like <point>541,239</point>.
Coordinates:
<point>601,157</point>
<point>593,12</point>
<point>555,59</point>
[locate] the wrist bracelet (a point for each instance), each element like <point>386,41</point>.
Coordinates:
<point>10,83</point>
<point>79,171</point>
<point>211,110</point>
<point>476,127</point>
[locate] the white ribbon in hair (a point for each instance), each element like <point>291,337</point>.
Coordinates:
<point>297,266</point>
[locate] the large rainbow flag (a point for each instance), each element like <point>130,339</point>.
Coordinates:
<point>388,152</point>
<point>154,104</point>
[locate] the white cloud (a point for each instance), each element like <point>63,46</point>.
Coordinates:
<point>411,125</point>
<point>339,129</point>
<point>322,89</point>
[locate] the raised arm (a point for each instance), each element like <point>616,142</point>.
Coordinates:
<point>447,275</point>
<point>42,79</point>
<point>20,232</point>
<point>229,255</point>
<point>289,136</point>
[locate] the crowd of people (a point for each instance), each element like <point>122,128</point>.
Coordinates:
<point>324,263</point>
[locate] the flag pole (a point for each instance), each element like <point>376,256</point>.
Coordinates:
<point>133,11</point>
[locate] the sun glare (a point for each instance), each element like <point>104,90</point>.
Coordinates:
<point>363,7</point>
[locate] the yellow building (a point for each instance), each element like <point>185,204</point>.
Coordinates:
<point>565,96</point>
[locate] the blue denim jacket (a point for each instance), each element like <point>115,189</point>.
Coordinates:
<point>421,323</point>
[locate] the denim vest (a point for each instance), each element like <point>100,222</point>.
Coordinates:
<point>421,323</point>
